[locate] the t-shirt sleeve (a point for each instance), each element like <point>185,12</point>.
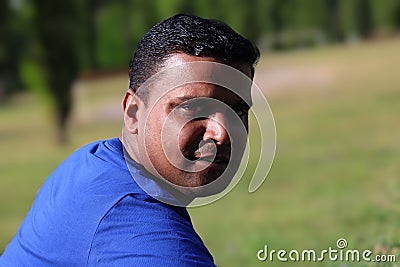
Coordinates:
<point>144,233</point>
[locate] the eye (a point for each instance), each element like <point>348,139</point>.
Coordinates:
<point>184,107</point>
<point>194,109</point>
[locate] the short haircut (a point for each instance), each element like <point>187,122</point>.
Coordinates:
<point>190,35</point>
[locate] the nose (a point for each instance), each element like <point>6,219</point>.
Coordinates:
<point>217,129</point>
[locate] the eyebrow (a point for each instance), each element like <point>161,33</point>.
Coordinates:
<point>188,97</point>
<point>183,98</point>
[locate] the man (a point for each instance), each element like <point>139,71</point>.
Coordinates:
<point>121,202</point>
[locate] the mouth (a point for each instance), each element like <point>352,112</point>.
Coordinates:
<point>218,159</point>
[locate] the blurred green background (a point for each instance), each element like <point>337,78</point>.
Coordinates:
<point>329,70</point>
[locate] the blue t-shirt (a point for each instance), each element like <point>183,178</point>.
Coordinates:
<point>91,212</point>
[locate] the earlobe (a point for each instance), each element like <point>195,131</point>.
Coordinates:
<point>130,105</point>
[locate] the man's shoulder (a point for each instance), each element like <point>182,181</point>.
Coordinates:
<point>102,150</point>
<point>95,173</point>
<point>147,233</point>
<point>70,206</point>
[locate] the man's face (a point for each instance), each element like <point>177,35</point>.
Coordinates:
<point>191,134</point>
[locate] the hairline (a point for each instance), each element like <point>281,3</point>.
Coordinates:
<point>159,67</point>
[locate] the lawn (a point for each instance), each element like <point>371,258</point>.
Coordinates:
<point>336,172</point>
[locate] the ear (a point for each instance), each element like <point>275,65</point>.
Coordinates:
<point>130,105</point>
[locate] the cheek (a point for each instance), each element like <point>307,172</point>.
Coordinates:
<point>163,141</point>
<point>190,137</point>
<point>151,136</point>
<point>241,128</point>
<point>238,135</point>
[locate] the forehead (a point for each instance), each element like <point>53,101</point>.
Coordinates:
<point>186,76</point>
<point>181,58</point>
<point>206,91</point>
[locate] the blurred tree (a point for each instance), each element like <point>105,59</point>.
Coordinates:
<point>315,21</point>
<point>397,15</point>
<point>93,7</point>
<point>120,26</point>
<point>112,44</point>
<point>3,37</point>
<point>356,18</point>
<point>165,9</point>
<point>385,16</point>
<point>331,23</point>
<point>276,12</point>
<point>207,8</point>
<point>57,31</point>
<point>363,18</point>
<point>141,16</point>
<point>11,47</point>
<point>252,17</point>
<point>187,7</point>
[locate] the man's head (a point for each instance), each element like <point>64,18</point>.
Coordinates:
<point>183,121</point>
<point>190,35</point>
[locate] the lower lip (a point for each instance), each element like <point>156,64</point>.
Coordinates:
<point>218,164</point>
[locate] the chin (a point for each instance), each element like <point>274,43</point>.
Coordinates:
<point>208,185</point>
<point>208,182</point>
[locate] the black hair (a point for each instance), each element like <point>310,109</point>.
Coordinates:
<point>190,35</point>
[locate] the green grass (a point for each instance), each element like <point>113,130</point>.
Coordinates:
<point>336,170</point>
